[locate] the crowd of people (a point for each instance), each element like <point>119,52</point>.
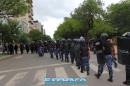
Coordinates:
<point>73,50</point>
<point>14,48</point>
<point>78,51</point>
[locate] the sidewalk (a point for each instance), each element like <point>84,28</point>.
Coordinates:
<point>2,57</point>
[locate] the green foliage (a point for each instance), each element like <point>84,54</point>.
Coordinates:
<point>69,29</point>
<point>35,35</point>
<point>81,21</point>
<point>13,7</point>
<point>119,15</point>
<point>46,38</point>
<point>89,18</point>
<point>24,38</point>
<point>87,12</point>
<point>101,26</point>
<point>10,31</point>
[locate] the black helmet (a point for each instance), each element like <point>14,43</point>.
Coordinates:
<point>104,36</point>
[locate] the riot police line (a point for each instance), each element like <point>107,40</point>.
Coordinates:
<point>24,48</point>
<point>78,51</point>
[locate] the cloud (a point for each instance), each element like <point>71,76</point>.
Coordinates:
<point>51,12</point>
<point>55,8</point>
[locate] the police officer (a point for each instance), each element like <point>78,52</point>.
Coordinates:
<point>27,48</point>
<point>32,47</point>
<point>16,48</point>
<point>85,55</point>
<point>124,54</point>
<point>21,48</point>
<point>57,49</point>
<point>66,51</point>
<point>77,54</point>
<point>51,48</point>
<point>100,56</point>
<point>40,49</point>
<point>107,50</point>
<point>72,53</point>
<point>62,50</point>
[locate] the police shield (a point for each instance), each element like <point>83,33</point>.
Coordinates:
<point>123,50</point>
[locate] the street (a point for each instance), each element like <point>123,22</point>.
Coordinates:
<point>30,69</point>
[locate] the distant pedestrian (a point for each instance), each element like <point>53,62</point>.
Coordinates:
<point>66,46</point>
<point>72,51</point>
<point>27,48</point>
<point>51,48</point>
<point>16,48</point>
<point>32,47</point>
<point>57,49</point>
<point>11,48</point>
<point>62,50</point>
<point>21,48</point>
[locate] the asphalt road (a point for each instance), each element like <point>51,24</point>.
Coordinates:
<point>29,70</point>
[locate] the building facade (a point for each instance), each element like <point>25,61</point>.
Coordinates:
<point>37,25</point>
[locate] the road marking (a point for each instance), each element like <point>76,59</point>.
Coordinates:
<point>35,67</point>
<point>16,79</point>
<point>95,68</point>
<point>19,57</point>
<point>1,77</point>
<point>39,76</point>
<point>78,72</point>
<point>60,72</point>
<point>116,69</point>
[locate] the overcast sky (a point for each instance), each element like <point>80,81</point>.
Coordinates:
<point>52,12</point>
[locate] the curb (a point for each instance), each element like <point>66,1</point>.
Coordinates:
<point>7,57</point>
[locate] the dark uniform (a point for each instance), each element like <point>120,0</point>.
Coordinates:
<point>100,56</point>
<point>57,49</point>
<point>84,49</point>
<point>72,53</point>
<point>5,48</point>
<point>77,54</point>
<point>51,49</point>
<point>32,47</point>
<point>16,48</point>
<point>27,48</point>
<point>124,54</point>
<point>62,49</point>
<point>107,50</point>
<point>66,51</point>
<point>21,48</point>
<point>11,48</point>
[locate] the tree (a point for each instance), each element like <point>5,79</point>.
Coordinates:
<point>35,35</point>
<point>69,29</point>
<point>87,12</point>
<point>119,15</point>
<point>46,38</point>
<point>81,20</point>
<point>13,7</point>
<point>101,26</point>
<point>10,31</point>
<point>24,38</point>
